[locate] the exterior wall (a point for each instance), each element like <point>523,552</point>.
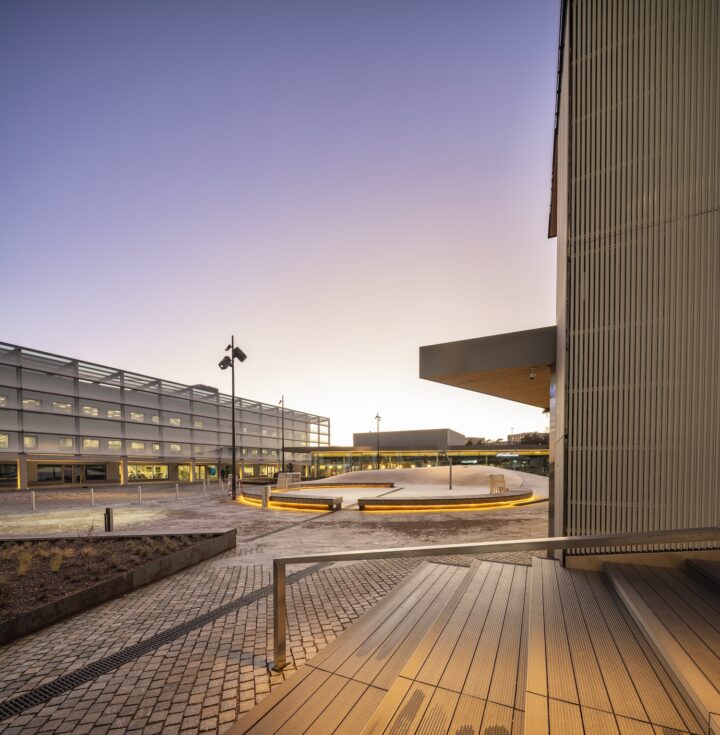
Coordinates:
<point>642,250</point>
<point>66,411</point>
<point>413,439</point>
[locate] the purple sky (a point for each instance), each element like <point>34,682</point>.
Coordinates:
<point>337,183</point>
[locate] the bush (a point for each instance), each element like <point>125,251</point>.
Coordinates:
<point>25,558</point>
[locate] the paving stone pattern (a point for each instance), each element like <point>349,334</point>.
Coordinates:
<point>205,679</point>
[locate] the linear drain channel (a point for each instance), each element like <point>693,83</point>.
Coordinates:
<point>46,692</point>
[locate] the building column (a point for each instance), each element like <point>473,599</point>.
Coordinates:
<point>123,471</point>
<point>22,473</point>
<point>192,470</point>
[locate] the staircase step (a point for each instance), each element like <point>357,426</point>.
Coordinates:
<point>706,572</point>
<point>589,668</point>
<point>681,620</point>
<point>463,675</point>
<point>337,690</point>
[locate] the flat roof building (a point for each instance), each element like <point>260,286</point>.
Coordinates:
<point>68,421</point>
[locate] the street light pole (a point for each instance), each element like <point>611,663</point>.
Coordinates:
<point>229,362</point>
<point>282,433</point>
<point>449,459</point>
<point>377,424</point>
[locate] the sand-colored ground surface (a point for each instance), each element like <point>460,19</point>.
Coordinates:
<point>426,482</point>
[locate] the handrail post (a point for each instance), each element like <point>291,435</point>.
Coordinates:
<point>279,614</point>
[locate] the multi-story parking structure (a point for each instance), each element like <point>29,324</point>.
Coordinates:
<point>70,422</point>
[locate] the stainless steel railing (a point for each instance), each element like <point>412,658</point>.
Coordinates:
<point>607,541</point>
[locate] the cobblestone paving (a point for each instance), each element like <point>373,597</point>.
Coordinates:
<point>205,679</point>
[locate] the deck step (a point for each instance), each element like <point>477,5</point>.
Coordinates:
<point>338,690</point>
<point>467,673</point>
<point>589,668</point>
<point>705,572</point>
<point>680,618</point>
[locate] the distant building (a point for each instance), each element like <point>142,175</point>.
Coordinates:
<point>65,421</point>
<point>422,448</point>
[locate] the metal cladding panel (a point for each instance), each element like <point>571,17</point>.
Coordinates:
<point>642,379</point>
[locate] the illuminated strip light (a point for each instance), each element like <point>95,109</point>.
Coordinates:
<point>275,505</point>
<point>450,508</point>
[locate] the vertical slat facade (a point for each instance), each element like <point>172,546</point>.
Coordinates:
<point>638,424</point>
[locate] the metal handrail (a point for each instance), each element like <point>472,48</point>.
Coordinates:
<point>643,538</point>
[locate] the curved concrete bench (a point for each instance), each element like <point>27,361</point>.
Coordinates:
<point>441,501</point>
<point>285,500</point>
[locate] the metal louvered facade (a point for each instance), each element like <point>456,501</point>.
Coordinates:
<point>636,401</point>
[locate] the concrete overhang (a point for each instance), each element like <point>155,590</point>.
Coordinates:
<point>501,365</point>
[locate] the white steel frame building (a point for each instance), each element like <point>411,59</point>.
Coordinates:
<point>71,422</point>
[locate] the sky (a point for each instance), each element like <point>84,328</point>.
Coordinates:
<point>336,183</point>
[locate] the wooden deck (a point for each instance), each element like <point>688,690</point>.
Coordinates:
<point>590,668</point>
<point>681,619</point>
<point>466,674</point>
<point>505,649</point>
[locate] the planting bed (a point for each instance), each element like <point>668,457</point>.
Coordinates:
<point>36,573</point>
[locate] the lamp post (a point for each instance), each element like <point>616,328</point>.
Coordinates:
<point>377,424</point>
<point>282,433</point>
<point>229,362</point>
<point>449,459</point>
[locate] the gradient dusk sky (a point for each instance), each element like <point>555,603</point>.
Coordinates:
<point>335,182</point>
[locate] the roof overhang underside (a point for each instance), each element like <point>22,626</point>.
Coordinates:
<point>502,365</point>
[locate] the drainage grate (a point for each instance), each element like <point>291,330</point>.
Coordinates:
<point>46,692</point>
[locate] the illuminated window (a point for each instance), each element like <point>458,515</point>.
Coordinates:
<point>176,447</point>
<point>64,407</point>
<point>137,446</point>
<point>114,445</point>
<point>91,444</point>
<point>156,447</point>
<point>30,442</point>
<point>198,424</point>
<point>31,403</point>
<point>3,400</point>
<point>90,411</point>
<point>66,442</point>
<point>114,413</point>
<point>134,416</point>
<point>174,421</point>
<point>4,441</point>
<point>155,419</point>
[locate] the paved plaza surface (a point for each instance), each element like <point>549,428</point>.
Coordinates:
<point>207,675</point>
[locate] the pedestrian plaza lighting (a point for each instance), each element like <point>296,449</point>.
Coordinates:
<point>377,422</point>
<point>443,453</point>
<point>229,362</point>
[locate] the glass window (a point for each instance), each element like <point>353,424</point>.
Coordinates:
<point>29,442</point>
<point>49,473</point>
<point>66,442</point>
<point>176,447</point>
<point>62,406</point>
<point>147,472</point>
<point>114,413</point>
<point>95,472</point>
<point>174,421</point>
<point>31,403</point>
<point>137,446</point>
<point>4,441</point>
<point>155,419</point>
<point>114,445</point>
<point>184,472</point>
<point>198,424</point>
<point>156,447</point>
<point>90,411</point>
<point>3,400</point>
<point>91,443</point>
<point>134,416</point>
<point>8,474</point>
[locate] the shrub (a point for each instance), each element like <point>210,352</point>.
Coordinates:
<point>56,560</point>
<point>25,558</point>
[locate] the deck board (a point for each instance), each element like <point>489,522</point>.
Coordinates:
<point>621,687</point>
